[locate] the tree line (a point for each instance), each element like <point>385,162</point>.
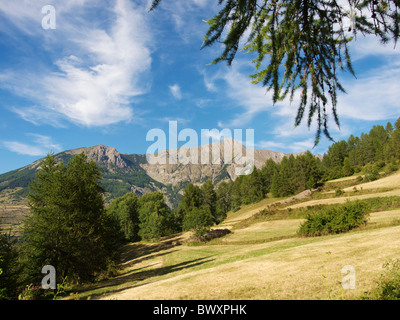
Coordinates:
<point>369,153</point>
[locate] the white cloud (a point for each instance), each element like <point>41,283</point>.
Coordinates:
<point>41,146</point>
<point>375,95</point>
<point>188,17</point>
<point>176,91</point>
<point>209,81</point>
<point>95,84</point>
<point>271,145</point>
<point>179,120</point>
<point>287,146</point>
<point>45,141</point>
<point>251,98</point>
<point>22,148</point>
<point>370,45</point>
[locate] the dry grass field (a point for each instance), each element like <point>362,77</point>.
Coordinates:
<point>262,259</point>
<point>12,211</point>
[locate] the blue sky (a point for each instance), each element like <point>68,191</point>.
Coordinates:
<point>111,71</point>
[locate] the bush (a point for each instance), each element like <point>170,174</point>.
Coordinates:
<point>335,220</point>
<point>388,286</point>
<point>339,192</point>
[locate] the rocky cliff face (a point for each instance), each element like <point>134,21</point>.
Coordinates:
<point>216,161</point>
<point>106,157</point>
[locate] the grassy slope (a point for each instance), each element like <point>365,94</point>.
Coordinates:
<point>263,260</point>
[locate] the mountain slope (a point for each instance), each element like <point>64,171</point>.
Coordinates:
<point>140,174</point>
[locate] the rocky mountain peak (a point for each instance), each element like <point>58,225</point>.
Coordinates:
<point>104,155</point>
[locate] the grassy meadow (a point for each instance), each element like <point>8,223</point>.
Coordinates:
<point>263,257</point>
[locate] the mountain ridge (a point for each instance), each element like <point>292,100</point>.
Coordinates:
<point>137,173</point>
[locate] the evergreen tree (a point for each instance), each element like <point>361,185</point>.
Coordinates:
<point>209,197</point>
<point>379,138</point>
<point>393,152</point>
<point>9,267</point>
<point>389,129</point>
<point>237,193</point>
<point>353,145</point>
<point>333,159</point>
<point>267,172</point>
<point>276,184</point>
<point>155,216</point>
<point>192,197</point>
<point>285,173</point>
<point>68,227</point>
<point>125,211</point>
<point>255,188</point>
<point>347,168</point>
<point>224,199</point>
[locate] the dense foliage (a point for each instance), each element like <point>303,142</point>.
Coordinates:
<point>9,268</point>
<point>337,219</point>
<point>156,218</point>
<point>370,152</point>
<point>124,211</point>
<point>68,227</point>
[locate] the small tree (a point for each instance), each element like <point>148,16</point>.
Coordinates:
<point>198,220</point>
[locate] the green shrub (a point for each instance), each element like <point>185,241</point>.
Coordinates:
<point>388,285</point>
<point>339,192</point>
<point>334,220</point>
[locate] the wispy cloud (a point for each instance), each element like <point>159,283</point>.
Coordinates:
<point>375,95</point>
<point>180,120</point>
<point>95,84</point>
<point>188,17</point>
<point>249,99</point>
<point>41,145</point>
<point>176,91</point>
<point>296,146</point>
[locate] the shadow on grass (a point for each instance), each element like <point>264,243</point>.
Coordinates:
<point>137,252</point>
<point>133,279</point>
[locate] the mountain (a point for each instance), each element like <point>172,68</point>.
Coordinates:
<point>141,174</point>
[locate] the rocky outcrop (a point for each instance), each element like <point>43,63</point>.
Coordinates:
<point>205,162</point>
<point>107,157</point>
